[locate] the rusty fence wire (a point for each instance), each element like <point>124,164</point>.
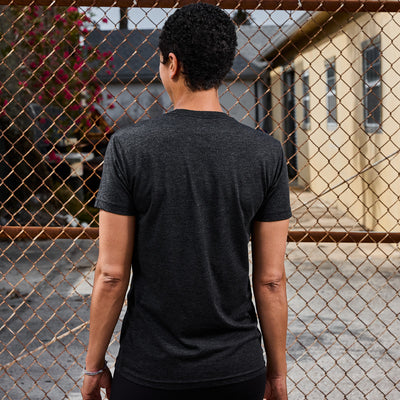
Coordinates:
<point>321,76</point>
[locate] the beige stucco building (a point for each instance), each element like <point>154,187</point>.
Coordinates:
<point>335,103</point>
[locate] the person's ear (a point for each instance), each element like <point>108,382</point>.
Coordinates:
<point>173,66</point>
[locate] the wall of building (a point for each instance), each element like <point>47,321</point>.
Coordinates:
<point>328,155</point>
<point>128,104</point>
<point>238,100</point>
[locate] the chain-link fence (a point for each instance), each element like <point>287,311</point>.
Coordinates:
<point>320,76</point>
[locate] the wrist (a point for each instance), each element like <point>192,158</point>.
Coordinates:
<point>94,363</point>
<point>276,374</point>
<point>95,371</point>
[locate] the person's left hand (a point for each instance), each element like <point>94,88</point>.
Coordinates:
<point>92,384</point>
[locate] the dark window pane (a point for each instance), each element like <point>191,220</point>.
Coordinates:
<point>372,86</point>
<point>373,106</point>
<point>306,98</point>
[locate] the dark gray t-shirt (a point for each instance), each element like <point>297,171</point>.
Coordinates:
<point>195,181</point>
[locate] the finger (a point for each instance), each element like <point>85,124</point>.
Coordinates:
<point>108,385</point>
<point>108,390</point>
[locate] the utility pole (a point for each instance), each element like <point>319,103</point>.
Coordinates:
<point>123,21</point>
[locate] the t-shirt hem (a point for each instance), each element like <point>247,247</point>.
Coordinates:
<point>110,207</point>
<point>192,384</point>
<point>274,217</point>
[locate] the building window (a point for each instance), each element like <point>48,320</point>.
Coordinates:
<point>372,92</point>
<point>305,77</point>
<point>331,99</point>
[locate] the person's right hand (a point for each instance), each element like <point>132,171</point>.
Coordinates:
<point>275,388</point>
<point>92,385</point>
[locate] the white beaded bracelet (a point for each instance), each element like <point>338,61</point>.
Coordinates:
<point>93,373</point>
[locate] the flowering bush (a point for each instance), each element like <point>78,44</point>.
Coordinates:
<point>57,67</point>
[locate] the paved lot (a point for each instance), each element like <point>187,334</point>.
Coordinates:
<point>343,322</point>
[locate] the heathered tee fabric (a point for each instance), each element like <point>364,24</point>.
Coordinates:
<point>195,181</point>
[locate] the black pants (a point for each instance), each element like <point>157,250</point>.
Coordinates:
<point>253,389</point>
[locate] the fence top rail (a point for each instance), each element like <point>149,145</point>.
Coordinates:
<point>308,5</point>
<point>49,232</point>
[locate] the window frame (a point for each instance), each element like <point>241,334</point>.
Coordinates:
<point>331,92</point>
<point>375,43</point>
<point>305,100</point>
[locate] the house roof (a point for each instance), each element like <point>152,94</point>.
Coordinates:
<point>135,52</point>
<point>301,26</point>
<point>253,41</point>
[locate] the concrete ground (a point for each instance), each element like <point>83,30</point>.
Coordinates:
<point>343,314</point>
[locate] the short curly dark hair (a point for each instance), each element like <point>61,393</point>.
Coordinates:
<point>203,39</point>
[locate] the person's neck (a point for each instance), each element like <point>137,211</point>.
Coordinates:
<point>203,100</point>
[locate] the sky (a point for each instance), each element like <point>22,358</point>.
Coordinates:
<point>149,18</point>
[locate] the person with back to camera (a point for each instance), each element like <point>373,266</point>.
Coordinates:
<point>179,198</point>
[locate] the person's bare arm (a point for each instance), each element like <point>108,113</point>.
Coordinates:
<point>268,243</point>
<point>111,280</point>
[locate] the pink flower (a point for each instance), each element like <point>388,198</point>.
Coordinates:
<point>67,94</point>
<point>109,96</point>
<point>62,75</point>
<point>53,156</point>
<point>75,107</point>
<point>105,20</point>
<point>85,31</point>
<point>5,102</point>
<point>45,75</point>
<point>72,9</point>
<point>111,106</point>
<point>20,83</point>
<point>66,54</point>
<point>77,66</point>
<point>42,120</point>
<point>79,22</point>
<point>57,17</point>
<point>33,65</point>
<point>40,97</point>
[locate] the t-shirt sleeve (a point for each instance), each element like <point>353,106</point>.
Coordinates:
<point>276,203</point>
<point>115,191</point>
